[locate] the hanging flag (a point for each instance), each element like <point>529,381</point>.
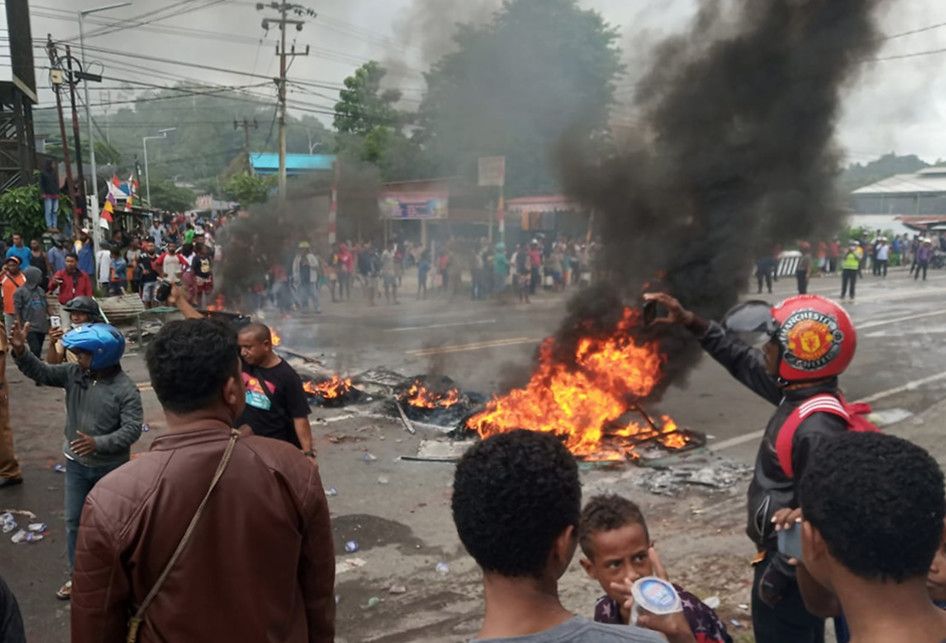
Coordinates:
<point>115,181</point>
<point>108,210</point>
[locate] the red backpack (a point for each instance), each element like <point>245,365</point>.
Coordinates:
<point>854,414</point>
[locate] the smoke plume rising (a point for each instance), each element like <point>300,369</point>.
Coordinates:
<point>735,153</point>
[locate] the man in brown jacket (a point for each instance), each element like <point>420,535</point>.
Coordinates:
<point>259,565</point>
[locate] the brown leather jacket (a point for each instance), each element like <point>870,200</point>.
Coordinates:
<point>259,567</point>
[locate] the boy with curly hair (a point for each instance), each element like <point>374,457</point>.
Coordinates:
<point>618,550</point>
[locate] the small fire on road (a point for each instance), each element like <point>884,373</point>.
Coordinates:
<point>421,396</point>
<point>332,388</point>
<point>588,402</point>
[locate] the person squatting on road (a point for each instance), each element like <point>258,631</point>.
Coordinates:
<point>103,412</point>
<point>810,341</point>
<point>228,532</point>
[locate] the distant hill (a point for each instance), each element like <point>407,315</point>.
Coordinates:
<point>857,175</point>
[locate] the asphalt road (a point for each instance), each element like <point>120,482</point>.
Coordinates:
<point>399,511</point>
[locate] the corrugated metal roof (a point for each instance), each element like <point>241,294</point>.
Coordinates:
<point>266,162</point>
<point>926,181</point>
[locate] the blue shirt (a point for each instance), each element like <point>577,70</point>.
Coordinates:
<point>23,253</point>
<point>87,259</point>
<point>57,259</point>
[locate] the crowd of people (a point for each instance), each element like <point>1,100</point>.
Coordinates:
<point>151,540</point>
<point>876,253</point>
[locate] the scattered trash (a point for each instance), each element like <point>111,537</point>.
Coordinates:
<point>33,537</point>
<point>19,536</point>
<point>37,526</point>
<point>59,468</point>
<point>383,480</point>
<point>368,457</point>
<point>397,589</point>
<point>709,471</point>
<point>443,568</point>
<point>349,564</point>
<point>374,601</point>
<point>744,607</point>
<point>145,427</point>
<point>351,546</point>
<point>8,522</point>
<point>736,623</point>
<point>712,602</point>
<point>331,491</point>
<point>338,599</point>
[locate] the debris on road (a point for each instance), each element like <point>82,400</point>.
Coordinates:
<point>349,564</point>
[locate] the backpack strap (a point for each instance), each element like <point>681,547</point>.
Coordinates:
<point>824,403</point>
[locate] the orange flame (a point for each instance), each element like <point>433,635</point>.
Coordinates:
<point>219,302</point>
<point>276,337</point>
<point>329,389</point>
<point>420,396</point>
<point>581,403</point>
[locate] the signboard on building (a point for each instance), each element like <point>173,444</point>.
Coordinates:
<point>413,205</point>
<point>492,171</point>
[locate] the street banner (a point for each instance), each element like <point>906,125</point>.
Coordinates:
<point>492,171</point>
<point>413,205</point>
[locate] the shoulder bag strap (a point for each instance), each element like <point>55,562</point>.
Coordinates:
<point>824,403</point>
<point>137,619</point>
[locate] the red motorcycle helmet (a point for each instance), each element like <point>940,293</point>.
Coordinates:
<point>816,336</point>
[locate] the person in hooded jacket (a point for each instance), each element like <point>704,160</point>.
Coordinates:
<point>810,341</point>
<point>103,412</point>
<point>30,306</point>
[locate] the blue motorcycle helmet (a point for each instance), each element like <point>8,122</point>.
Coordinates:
<point>103,341</point>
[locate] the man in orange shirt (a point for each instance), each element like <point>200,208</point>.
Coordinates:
<point>11,280</point>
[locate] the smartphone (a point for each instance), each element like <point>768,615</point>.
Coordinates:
<point>789,541</point>
<point>55,321</point>
<point>651,311</point>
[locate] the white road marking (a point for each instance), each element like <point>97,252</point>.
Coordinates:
<point>909,386</point>
<point>404,329</point>
<point>896,320</point>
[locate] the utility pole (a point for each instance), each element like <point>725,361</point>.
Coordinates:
<point>96,231</point>
<point>246,125</point>
<point>284,8</point>
<point>57,77</point>
<point>80,179</point>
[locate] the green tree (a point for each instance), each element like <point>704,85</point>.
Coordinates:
<point>167,196</point>
<point>21,210</point>
<point>514,86</point>
<point>248,189</point>
<point>371,127</point>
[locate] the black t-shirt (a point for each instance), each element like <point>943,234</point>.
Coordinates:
<point>271,415</point>
<point>146,267</point>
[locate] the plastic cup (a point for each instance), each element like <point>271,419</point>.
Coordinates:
<point>654,595</point>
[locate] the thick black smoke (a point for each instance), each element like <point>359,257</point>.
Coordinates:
<point>735,153</point>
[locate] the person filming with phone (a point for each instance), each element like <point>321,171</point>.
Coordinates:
<point>808,341</point>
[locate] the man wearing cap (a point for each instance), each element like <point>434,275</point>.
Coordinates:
<point>305,276</point>
<point>12,279</point>
<point>81,310</point>
<point>923,256</point>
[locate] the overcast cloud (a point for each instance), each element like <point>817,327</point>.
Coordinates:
<point>894,105</point>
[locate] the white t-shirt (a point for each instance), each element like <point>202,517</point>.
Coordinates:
<point>883,252</point>
<point>103,266</point>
